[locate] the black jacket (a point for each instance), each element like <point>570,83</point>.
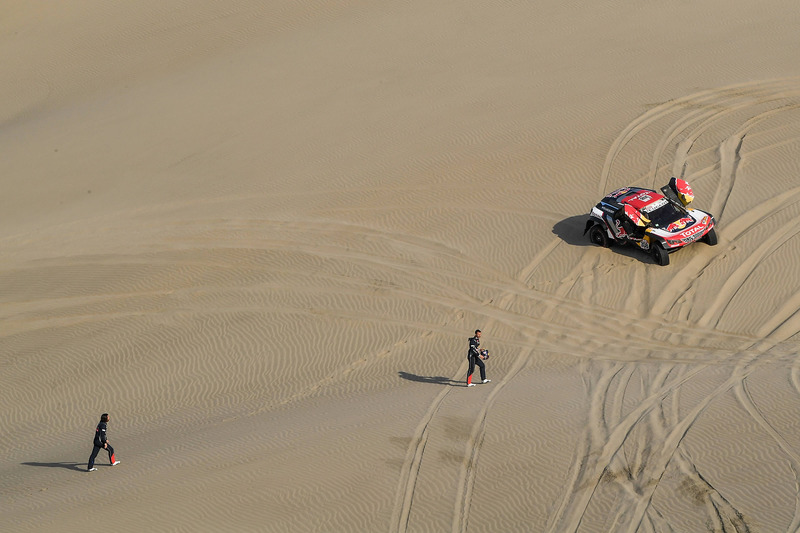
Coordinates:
<point>100,434</point>
<point>474,343</point>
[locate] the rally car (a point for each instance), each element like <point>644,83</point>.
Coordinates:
<point>658,223</point>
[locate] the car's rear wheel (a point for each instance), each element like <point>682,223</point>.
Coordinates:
<point>660,255</point>
<point>598,236</point>
<point>710,238</point>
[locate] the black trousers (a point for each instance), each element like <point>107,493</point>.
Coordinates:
<point>96,450</point>
<point>474,360</point>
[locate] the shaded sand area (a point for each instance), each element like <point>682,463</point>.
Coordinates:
<point>259,235</point>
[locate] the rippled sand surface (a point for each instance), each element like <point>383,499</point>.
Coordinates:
<point>259,234</point>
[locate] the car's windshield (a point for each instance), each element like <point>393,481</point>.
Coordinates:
<point>665,215</point>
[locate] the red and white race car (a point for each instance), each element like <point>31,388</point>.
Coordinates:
<point>659,223</point>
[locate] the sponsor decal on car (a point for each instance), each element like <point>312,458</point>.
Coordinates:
<point>606,208</point>
<point>633,214</point>
<point>685,237</point>
<point>620,192</point>
<point>690,235</point>
<point>679,224</point>
<point>655,205</point>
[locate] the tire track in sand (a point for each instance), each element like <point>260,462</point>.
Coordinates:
<point>473,443</point>
<point>411,465</point>
<point>599,454</point>
<point>615,430</point>
<point>707,98</point>
<point>468,471</point>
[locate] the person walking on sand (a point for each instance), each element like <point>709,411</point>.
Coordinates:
<point>101,443</point>
<point>475,357</point>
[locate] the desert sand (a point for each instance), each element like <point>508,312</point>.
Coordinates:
<point>259,235</point>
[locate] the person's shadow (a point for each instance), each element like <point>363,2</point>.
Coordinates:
<point>79,467</point>
<point>436,380</point>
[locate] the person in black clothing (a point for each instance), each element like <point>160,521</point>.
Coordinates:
<point>101,443</point>
<point>475,358</point>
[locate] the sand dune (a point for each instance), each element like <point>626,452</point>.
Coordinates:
<point>259,235</point>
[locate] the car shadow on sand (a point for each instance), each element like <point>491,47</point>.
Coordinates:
<point>436,380</point>
<point>570,230</point>
<point>80,467</point>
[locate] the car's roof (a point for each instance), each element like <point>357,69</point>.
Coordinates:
<point>636,197</point>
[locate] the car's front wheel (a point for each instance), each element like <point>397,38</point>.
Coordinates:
<point>710,238</point>
<point>660,255</point>
<point>598,236</point>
